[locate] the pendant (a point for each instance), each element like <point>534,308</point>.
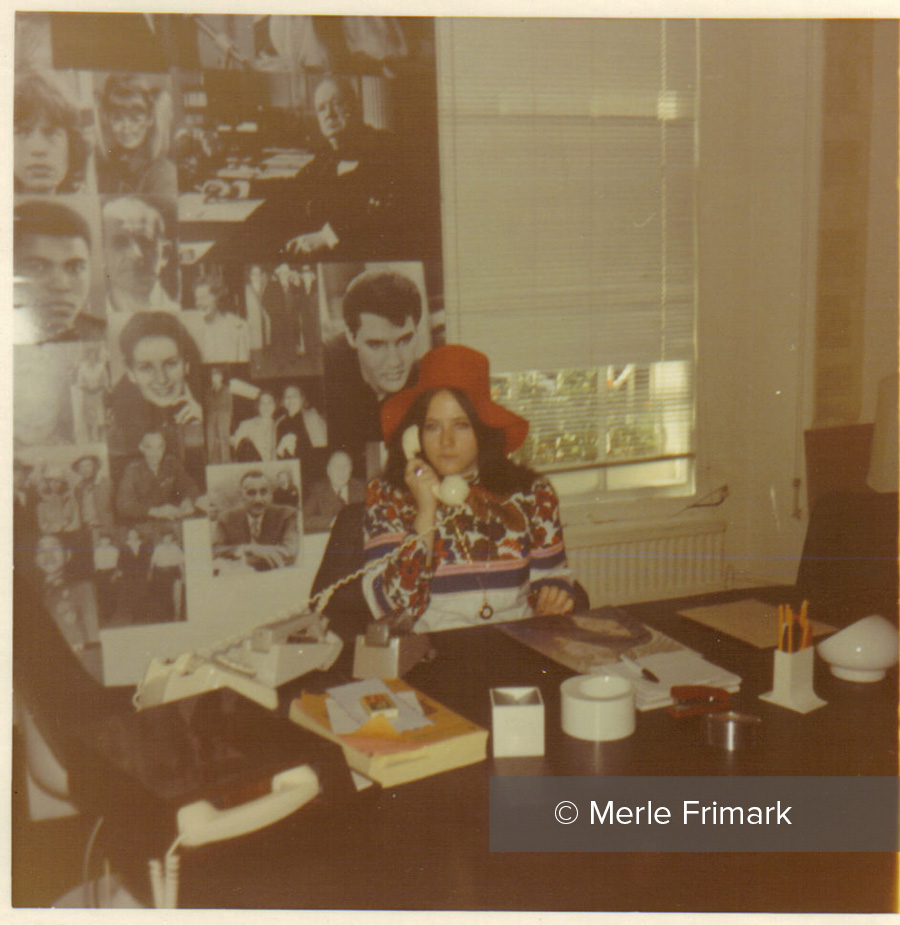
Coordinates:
<point>486,611</point>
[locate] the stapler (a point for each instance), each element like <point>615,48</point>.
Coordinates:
<point>379,653</point>
<point>694,699</point>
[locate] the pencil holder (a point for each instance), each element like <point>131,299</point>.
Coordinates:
<point>792,686</point>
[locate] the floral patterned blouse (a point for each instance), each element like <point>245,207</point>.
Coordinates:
<point>491,555</point>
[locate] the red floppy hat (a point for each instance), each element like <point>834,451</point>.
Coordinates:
<point>456,367</point>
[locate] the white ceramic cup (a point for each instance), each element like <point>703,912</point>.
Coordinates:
<point>597,708</point>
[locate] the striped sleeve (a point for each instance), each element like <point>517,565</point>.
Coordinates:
<point>549,565</point>
<point>401,585</point>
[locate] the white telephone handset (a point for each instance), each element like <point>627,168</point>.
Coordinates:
<point>452,490</point>
<point>201,823</point>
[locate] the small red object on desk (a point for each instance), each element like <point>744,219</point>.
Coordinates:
<point>694,699</point>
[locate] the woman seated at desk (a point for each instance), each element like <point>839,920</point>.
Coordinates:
<point>499,554</point>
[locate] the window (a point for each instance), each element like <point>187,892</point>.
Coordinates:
<point>568,164</point>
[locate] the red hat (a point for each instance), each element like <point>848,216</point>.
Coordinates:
<point>456,367</point>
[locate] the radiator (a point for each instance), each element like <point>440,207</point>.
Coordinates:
<point>623,564</point>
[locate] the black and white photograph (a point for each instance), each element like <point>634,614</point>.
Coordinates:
<point>299,164</point>
<point>64,490</point>
<point>212,312</point>
<point>159,389</point>
<point>57,265</point>
<point>139,575</point>
<point>154,483</point>
<point>384,45</point>
<point>44,393</point>
<point>362,366</point>
<point>249,529</point>
<point>326,497</point>
<point>289,314</point>
<point>140,251</point>
<point>52,124</point>
<point>134,114</point>
<point>378,326</point>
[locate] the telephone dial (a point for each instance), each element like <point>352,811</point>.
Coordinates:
<point>452,490</point>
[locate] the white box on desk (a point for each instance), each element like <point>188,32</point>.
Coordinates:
<point>517,721</point>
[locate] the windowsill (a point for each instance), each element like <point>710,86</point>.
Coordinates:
<point>583,503</point>
<point>577,512</point>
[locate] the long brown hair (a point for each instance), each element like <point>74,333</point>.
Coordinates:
<point>496,471</point>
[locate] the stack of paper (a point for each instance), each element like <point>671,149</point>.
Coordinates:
<point>351,706</point>
<point>672,669</point>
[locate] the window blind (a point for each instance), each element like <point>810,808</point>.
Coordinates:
<point>568,171</point>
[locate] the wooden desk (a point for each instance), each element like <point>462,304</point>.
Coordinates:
<point>425,845</point>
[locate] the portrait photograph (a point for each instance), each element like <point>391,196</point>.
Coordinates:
<point>249,529</point>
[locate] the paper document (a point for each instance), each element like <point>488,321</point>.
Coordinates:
<point>672,669</point>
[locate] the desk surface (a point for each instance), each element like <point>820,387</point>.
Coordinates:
<point>425,845</point>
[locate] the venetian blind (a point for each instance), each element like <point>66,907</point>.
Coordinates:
<point>568,162</point>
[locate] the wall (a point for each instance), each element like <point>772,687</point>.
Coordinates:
<point>761,131</point>
<point>880,340</point>
<point>759,126</point>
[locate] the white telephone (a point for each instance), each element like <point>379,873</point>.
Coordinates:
<point>452,490</point>
<point>201,823</point>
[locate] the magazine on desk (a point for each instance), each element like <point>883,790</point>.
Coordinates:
<point>595,641</point>
<point>586,641</point>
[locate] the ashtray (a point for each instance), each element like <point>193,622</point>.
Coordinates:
<point>731,730</point>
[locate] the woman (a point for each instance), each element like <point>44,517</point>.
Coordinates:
<point>92,382</point>
<point>498,556</point>
<point>156,392</point>
<point>49,150</point>
<point>225,337</point>
<point>135,140</point>
<point>218,406</point>
<point>254,438</point>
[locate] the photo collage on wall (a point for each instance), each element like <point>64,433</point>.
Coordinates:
<point>226,255</point>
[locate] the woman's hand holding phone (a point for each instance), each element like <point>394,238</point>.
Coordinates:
<point>422,481</point>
